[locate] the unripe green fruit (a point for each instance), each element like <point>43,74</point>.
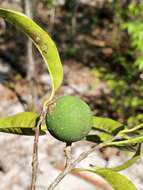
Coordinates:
<point>69,120</point>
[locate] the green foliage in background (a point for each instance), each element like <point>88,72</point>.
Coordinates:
<point>134,26</point>
<point>125,99</point>
<point>123,71</point>
<point>49,2</point>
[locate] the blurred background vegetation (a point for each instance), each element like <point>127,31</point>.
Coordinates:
<point>105,36</point>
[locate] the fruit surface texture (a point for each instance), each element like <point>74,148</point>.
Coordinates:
<point>69,120</point>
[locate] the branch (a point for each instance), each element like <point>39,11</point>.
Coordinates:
<point>31,68</point>
<point>35,149</point>
<point>71,165</point>
<point>66,170</point>
<point>92,180</point>
<point>30,58</point>
<point>68,155</point>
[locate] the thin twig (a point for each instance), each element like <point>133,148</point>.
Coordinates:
<point>74,19</point>
<point>35,149</point>
<point>72,165</point>
<point>30,59</point>
<point>67,166</point>
<point>92,180</point>
<point>31,67</point>
<point>59,178</point>
<point>68,154</point>
<point>52,18</point>
<point>83,155</point>
<point>131,129</point>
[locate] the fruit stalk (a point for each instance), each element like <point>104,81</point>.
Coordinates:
<point>81,157</point>
<point>68,154</point>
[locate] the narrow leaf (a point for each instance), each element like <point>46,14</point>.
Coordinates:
<point>104,137</point>
<point>98,138</point>
<point>22,124</point>
<point>130,162</point>
<point>42,41</point>
<point>116,180</point>
<point>126,164</point>
<point>106,124</point>
<point>131,141</point>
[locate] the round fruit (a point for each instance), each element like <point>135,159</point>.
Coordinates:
<point>69,120</point>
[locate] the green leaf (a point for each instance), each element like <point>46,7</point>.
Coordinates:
<point>126,164</point>
<point>98,138</point>
<point>42,41</point>
<point>131,141</point>
<point>116,180</point>
<point>22,124</point>
<point>130,162</point>
<point>104,137</point>
<point>107,125</point>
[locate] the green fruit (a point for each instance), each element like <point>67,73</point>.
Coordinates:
<point>69,120</point>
